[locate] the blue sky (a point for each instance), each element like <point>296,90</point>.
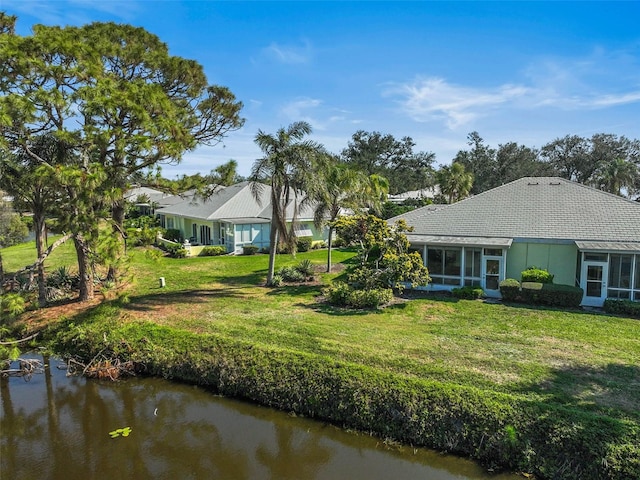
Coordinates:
<point>527,72</point>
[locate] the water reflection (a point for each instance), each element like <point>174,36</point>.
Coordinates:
<point>55,427</point>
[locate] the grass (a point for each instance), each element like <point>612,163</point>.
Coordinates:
<point>587,362</point>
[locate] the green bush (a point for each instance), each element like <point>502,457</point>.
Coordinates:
<point>510,289</point>
<point>11,305</point>
<point>468,292</point>
<point>173,235</point>
<point>176,251</point>
<point>533,274</point>
<point>550,294</point>
<point>141,236</point>
<point>343,295</point>
<point>304,244</point>
<point>305,267</point>
<point>338,293</point>
<point>372,298</point>
<point>622,307</point>
<point>291,274</point>
<point>213,251</point>
<point>250,250</point>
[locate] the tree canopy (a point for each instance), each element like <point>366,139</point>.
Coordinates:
<point>375,153</point>
<point>114,94</point>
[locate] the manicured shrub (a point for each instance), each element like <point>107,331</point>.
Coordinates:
<point>551,294</point>
<point>213,251</point>
<point>468,292</point>
<point>533,274</point>
<point>338,294</point>
<point>341,294</point>
<point>622,307</point>
<point>304,244</point>
<point>249,250</point>
<point>372,298</point>
<point>510,289</point>
<point>176,251</point>
<point>172,234</point>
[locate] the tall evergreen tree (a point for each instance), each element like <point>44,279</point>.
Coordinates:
<point>116,91</point>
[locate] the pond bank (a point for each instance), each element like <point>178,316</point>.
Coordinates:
<point>500,430</point>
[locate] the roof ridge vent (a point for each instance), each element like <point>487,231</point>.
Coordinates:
<point>555,183</point>
<point>533,183</point>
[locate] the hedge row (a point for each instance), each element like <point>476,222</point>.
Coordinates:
<point>623,307</point>
<point>541,293</point>
<point>499,430</point>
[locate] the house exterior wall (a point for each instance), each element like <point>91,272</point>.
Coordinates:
<point>251,234</point>
<point>559,259</point>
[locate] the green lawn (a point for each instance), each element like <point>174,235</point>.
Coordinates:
<point>567,380</point>
<point>585,360</point>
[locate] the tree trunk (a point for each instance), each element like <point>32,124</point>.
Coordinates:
<point>329,245</point>
<point>40,231</point>
<point>273,238</point>
<point>117,215</point>
<point>1,271</point>
<point>84,270</point>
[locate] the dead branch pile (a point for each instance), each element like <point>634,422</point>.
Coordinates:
<point>26,368</point>
<point>102,367</point>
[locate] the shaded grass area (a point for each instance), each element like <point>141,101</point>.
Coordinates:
<point>532,362</point>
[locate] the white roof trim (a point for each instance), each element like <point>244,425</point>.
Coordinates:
<point>460,241</point>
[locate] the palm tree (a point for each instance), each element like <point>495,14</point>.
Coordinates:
<point>342,188</point>
<point>615,175</point>
<point>455,183</point>
<point>289,165</point>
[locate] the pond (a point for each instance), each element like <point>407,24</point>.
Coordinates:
<point>56,426</point>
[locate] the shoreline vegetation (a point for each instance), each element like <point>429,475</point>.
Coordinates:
<point>541,391</point>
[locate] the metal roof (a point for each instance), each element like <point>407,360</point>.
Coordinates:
<point>609,246</point>
<point>546,208</point>
<point>460,241</point>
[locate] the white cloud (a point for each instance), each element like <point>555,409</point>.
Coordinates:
<point>75,12</point>
<point>432,98</point>
<point>289,54</point>
<point>299,109</point>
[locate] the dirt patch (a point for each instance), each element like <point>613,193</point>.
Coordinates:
<point>36,320</point>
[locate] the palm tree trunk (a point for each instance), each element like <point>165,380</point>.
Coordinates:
<point>329,245</point>
<point>273,238</point>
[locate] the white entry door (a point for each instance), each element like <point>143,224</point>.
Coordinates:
<point>594,283</point>
<point>492,276</point>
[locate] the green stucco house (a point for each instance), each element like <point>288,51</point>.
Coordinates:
<point>583,236</point>
<point>232,217</point>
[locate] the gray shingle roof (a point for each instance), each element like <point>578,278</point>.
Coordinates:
<point>534,208</point>
<point>232,203</point>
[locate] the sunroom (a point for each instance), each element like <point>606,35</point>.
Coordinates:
<point>463,261</point>
<point>609,270</point>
